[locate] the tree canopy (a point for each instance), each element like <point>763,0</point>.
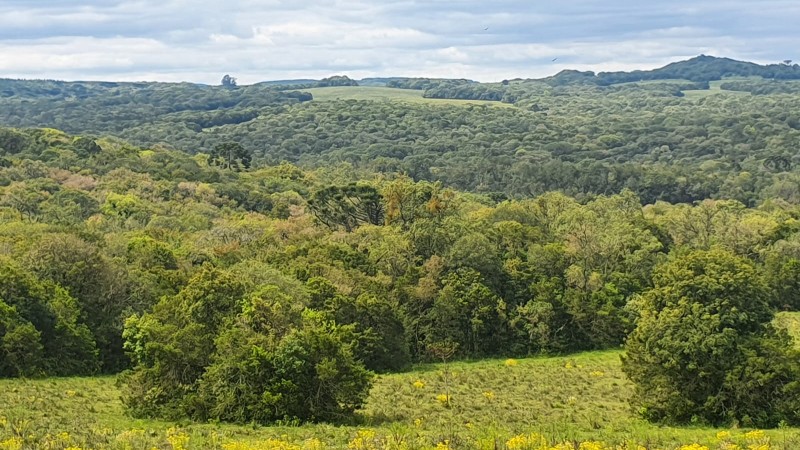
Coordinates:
<point>704,349</point>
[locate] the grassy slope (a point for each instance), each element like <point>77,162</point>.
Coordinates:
<point>415,96</point>
<point>715,89</point>
<point>388,94</point>
<point>576,397</point>
<point>579,397</point>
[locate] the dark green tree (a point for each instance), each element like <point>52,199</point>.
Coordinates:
<point>303,370</point>
<point>231,155</point>
<point>215,352</point>
<point>704,349</point>
<point>228,81</point>
<point>172,345</point>
<point>348,206</point>
<point>41,320</point>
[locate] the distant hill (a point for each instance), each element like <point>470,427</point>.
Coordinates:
<point>702,68</point>
<point>656,136</point>
<point>694,73</point>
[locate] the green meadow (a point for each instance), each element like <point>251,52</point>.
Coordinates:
<point>570,399</point>
<point>390,95</point>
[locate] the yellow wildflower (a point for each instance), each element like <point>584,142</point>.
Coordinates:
<point>177,438</point>
<point>14,443</point>
<point>526,442</point>
<point>443,445</point>
<point>754,435</point>
<point>563,446</point>
<point>489,395</point>
<point>591,445</point>
<point>693,447</point>
<point>511,362</point>
<point>419,384</point>
<point>597,373</point>
<point>235,446</point>
<point>313,444</point>
<point>444,399</point>
<point>364,440</point>
<point>517,442</point>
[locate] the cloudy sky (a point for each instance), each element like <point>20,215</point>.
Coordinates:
<point>486,40</point>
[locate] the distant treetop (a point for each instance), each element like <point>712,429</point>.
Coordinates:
<point>228,81</point>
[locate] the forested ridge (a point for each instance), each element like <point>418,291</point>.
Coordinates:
<point>193,273</point>
<point>580,138</point>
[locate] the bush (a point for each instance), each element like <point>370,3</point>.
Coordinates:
<point>214,352</point>
<point>704,350</point>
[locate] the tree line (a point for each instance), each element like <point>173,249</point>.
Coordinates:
<point>275,293</point>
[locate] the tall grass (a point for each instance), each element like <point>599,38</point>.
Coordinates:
<point>574,399</point>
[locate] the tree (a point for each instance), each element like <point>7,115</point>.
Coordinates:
<point>704,350</point>
<point>231,155</point>
<point>213,351</point>
<point>348,206</point>
<point>99,285</point>
<point>40,328</point>
<point>228,81</point>
<point>307,371</point>
<point>379,330</point>
<point>172,344</point>
<point>468,313</point>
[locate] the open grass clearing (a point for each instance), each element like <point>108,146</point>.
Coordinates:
<point>374,93</point>
<point>576,398</point>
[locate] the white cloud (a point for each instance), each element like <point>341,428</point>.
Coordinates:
<point>199,40</point>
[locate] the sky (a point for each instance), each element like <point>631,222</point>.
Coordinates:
<point>485,40</point>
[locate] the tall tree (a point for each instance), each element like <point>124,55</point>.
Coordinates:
<point>704,350</point>
<point>228,81</point>
<point>231,155</point>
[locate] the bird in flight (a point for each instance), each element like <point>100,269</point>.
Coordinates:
<point>486,29</point>
<point>554,60</point>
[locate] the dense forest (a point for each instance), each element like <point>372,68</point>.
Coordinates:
<point>583,139</point>
<point>250,254</point>
<point>191,272</point>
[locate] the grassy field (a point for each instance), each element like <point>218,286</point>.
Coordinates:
<point>574,399</point>
<point>388,94</point>
<point>715,89</point>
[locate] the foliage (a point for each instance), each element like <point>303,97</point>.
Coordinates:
<point>211,353</point>
<point>581,133</point>
<point>703,348</point>
<point>196,258</point>
<point>40,328</point>
<point>230,155</point>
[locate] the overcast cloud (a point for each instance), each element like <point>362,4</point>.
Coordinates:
<point>487,40</point>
